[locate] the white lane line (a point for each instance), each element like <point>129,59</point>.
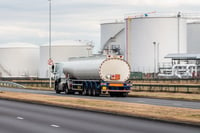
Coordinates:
<point>177,104</point>
<point>141,101</point>
<point>56,126</point>
<point>20,118</point>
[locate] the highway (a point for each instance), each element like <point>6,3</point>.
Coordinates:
<point>161,102</point>
<point>16,117</point>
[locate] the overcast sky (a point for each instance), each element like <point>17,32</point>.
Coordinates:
<point>27,20</point>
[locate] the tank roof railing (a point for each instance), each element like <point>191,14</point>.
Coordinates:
<point>191,15</point>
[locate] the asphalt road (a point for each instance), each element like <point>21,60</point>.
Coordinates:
<point>161,102</point>
<point>16,117</point>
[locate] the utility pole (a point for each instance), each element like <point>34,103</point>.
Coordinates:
<point>50,59</point>
<point>154,47</point>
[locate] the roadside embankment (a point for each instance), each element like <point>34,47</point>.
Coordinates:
<point>170,114</point>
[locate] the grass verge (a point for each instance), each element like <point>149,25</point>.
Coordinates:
<point>166,95</point>
<point>171,114</point>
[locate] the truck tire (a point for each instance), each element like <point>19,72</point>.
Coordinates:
<point>66,89</point>
<point>95,92</point>
<point>90,92</point>
<point>56,88</point>
<point>85,91</point>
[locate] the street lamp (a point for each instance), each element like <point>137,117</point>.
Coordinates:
<point>154,46</point>
<point>49,29</point>
<point>50,59</point>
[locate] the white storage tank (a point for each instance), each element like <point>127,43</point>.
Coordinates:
<point>193,39</point>
<point>113,34</point>
<point>61,51</point>
<point>167,33</point>
<point>19,60</point>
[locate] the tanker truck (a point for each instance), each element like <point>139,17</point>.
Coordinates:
<point>93,76</point>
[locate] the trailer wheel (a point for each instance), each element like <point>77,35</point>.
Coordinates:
<point>95,92</point>
<point>85,92</point>
<point>90,92</point>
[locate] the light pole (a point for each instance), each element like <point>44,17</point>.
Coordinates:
<point>50,60</point>
<point>178,18</point>
<point>158,54</point>
<point>154,47</point>
<point>49,29</point>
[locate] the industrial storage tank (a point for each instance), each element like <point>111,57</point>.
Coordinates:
<point>150,39</point>
<point>113,36</point>
<point>193,39</point>
<point>19,60</point>
<point>61,51</point>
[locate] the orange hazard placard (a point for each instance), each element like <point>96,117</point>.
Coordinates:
<point>50,62</point>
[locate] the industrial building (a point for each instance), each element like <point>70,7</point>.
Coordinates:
<point>19,60</point>
<point>61,51</point>
<point>27,60</point>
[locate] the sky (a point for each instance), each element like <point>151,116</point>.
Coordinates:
<point>27,21</point>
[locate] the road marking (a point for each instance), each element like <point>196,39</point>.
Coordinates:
<point>56,126</point>
<point>20,118</point>
<point>177,104</point>
<point>141,101</point>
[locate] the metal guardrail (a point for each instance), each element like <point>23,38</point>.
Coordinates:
<point>35,83</point>
<point>167,88</point>
<point>10,84</point>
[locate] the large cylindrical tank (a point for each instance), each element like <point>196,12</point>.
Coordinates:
<point>193,39</point>
<point>107,69</point>
<point>113,33</point>
<point>19,60</point>
<point>60,52</point>
<point>150,39</point>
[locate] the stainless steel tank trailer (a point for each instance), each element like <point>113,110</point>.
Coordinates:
<point>93,76</point>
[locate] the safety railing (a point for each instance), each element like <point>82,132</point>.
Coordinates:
<point>167,88</point>
<point>10,84</point>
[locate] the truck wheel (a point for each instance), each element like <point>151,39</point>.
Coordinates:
<point>80,93</point>
<point>85,92</point>
<point>58,92</point>
<point>56,89</point>
<point>90,92</point>
<point>93,91</point>
<point>66,91</point>
<point>97,93</point>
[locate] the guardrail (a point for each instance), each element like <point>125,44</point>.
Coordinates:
<point>171,81</point>
<point>167,88</point>
<point>35,83</point>
<point>10,84</point>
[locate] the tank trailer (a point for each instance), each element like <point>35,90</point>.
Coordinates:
<point>93,76</point>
